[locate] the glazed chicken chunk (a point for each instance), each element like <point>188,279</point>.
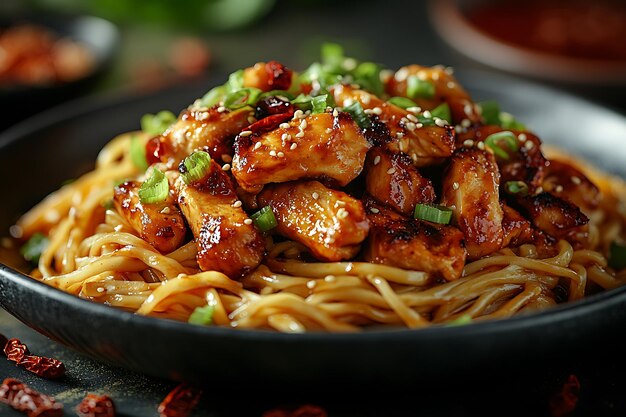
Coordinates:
<point>330,223</point>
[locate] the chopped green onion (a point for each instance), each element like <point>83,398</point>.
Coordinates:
<point>490,111</point>
<point>32,250</point>
<point>213,97</point>
<point>516,187</point>
<point>460,321</point>
<point>319,103</point>
<point>264,219</point>
<point>403,102</point>
<point>433,213</point>
<point>493,142</point>
<point>235,81</point>
<point>617,256</point>
<point>507,121</point>
<point>138,153</point>
<point>416,88</point>
<point>442,111</point>
<point>155,124</point>
<point>195,166</point>
<point>241,98</point>
<point>332,57</point>
<point>367,75</point>
<point>155,189</point>
<point>202,315</point>
<point>358,115</point>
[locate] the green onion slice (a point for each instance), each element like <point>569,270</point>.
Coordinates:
<point>235,81</point>
<point>367,75</point>
<point>202,315</point>
<point>332,57</point>
<point>507,121</point>
<point>195,166</point>
<point>442,111</point>
<point>358,115</point>
<point>241,98</point>
<point>32,250</point>
<point>155,124</point>
<point>155,189</point>
<point>264,219</point>
<point>319,103</point>
<point>494,141</point>
<point>403,102</point>
<point>213,97</point>
<point>462,320</point>
<point>516,187</point>
<point>138,153</point>
<point>617,256</point>
<point>416,88</point>
<point>433,213</point>
<point>490,111</point>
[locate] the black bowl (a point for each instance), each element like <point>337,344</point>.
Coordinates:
<point>100,36</point>
<point>37,155</point>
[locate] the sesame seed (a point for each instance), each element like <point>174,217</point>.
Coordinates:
<point>272,153</point>
<point>449,70</point>
<point>245,133</point>
<point>539,190</point>
<point>400,135</point>
<point>225,167</point>
<point>452,207</point>
<point>468,142</point>
<point>414,109</point>
<point>522,137</point>
<point>280,155</point>
<point>419,125</point>
<point>368,111</point>
<point>529,145</point>
<point>330,278</point>
<point>451,84</point>
<point>440,122</point>
<point>435,76</point>
<point>377,160</point>
<point>311,284</point>
<point>414,157</point>
<point>411,126</point>
<point>455,185</point>
<point>366,99</point>
<point>293,146</point>
<point>458,129</point>
<point>285,137</point>
<point>298,114</point>
<point>284,125</point>
<point>300,134</point>
<point>427,114</point>
<point>100,289</point>
<point>374,210</point>
<point>391,170</point>
<point>315,195</point>
<point>468,109</point>
<point>237,204</point>
<point>329,130</point>
<point>347,102</point>
<point>385,75</point>
<point>377,111</point>
<point>221,109</point>
<point>481,146</point>
<point>466,123</point>
<point>576,180</point>
<point>335,113</point>
<point>257,145</point>
<point>165,210</point>
<point>202,116</point>
<point>401,146</point>
<point>412,118</point>
<point>248,221</point>
<point>401,75</point>
<point>342,213</point>
<point>558,188</point>
<point>303,124</point>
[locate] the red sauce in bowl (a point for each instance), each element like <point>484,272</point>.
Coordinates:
<point>591,30</point>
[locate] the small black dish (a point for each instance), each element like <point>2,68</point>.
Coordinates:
<point>100,36</point>
<point>38,154</point>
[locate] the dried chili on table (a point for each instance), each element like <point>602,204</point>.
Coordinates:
<point>15,350</point>
<point>180,401</point>
<point>42,366</point>
<point>94,405</point>
<point>564,401</point>
<point>30,402</point>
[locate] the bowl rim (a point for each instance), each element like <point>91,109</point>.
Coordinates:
<point>450,22</point>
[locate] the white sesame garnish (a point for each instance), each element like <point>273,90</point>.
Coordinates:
<point>237,204</point>
<point>414,109</point>
<point>558,188</point>
<point>411,126</point>
<point>330,278</point>
<point>272,153</point>
<point>427,114</point>
<point>329,130</point>
<point>285,137</point>
<point>458,129</point>
<point>576,180</point>
<point>435,76</point>
<point>449,70</point>
<point>374,210</point>
<point>298,114</point>
<point>401,75</point>
<point>245,133</point>
<point>315,195</point>
<point>466,122</point>
<point>468,142</point>
<point>522,137</point>
<point>311,284</point>
<point>468,109</point>
<point>100,289</point>
<point>529,144</point>
<point>303,124</point>
<point>414,157</point>
<point>165,210</point>
<point>280,155</point>
<point>401,146</point>
<point>300,134</point>
<point>225,167</point>
<point>221,109</point>
<point>451,84</point>
<point>452,207</point>
<point>248,221</point>
<point>284,125</point>
<point>347,102</point>
<point>385,75</point>
<point>342,213</point>
<point>481,146</point>
<point>257,145</point>
<point>539,190</point>
<point>440,122</point>
<point>365,99</point>
<point>377,111</point>
<point>391,170</point>
<point>455,185</point>
<point>293,146</point>
<point>377,160</point>
<point>335,113</point>
<point>412,118</point>
<point>419,125</point>
<point>400,135</point>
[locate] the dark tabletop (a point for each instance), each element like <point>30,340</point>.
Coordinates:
<point>395,33</point>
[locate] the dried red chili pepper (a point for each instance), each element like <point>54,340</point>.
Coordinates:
<point>279,76</point>
<point>269,123</point>
<point>15,350</point>
<point>180,401</point>
<point>155,150</point>
<point>564,401</point>
<point>43,367</point>
<point>22,398</point>
<point>94,405</point>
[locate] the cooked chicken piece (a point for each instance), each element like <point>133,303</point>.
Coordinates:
<point>160,224</point>
<point>446,89</point>
<point>555,216</point>
<point>470,187</point>
<point>426,145</point>
<point>394,181</point>
<point>569,183</point>
<point>268,76</point>
<point>317,146</point>
<point>209,130</point>
<point>225,241</point>
<point>330,223</point>
<point>517,229</point>
<point>413,244</point>
<point>527,164</point>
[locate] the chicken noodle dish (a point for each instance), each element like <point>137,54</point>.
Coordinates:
<point>338,198</point>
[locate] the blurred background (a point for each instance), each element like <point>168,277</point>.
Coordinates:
<point>146,45</point>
